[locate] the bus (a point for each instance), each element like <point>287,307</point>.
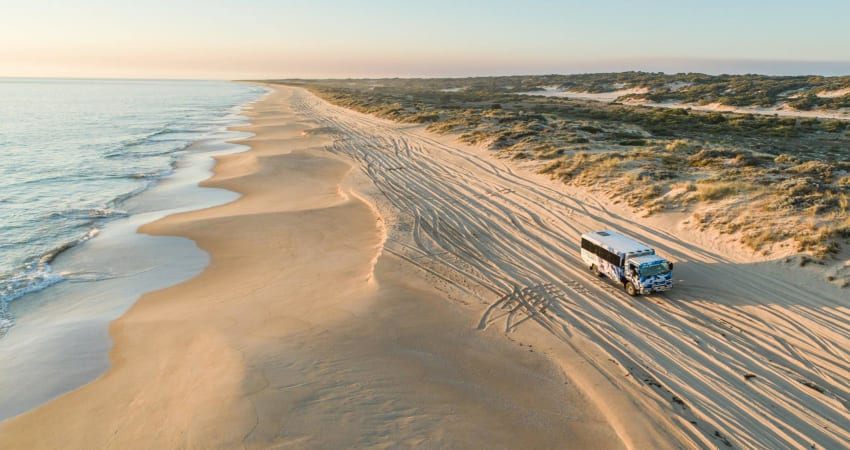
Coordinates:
<point>626,261</point>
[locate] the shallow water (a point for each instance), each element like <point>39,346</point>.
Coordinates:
<point>60,340</point>
<point>72,152</point>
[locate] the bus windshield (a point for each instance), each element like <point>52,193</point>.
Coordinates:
<point>655,269</point>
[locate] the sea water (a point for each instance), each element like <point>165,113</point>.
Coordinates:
<point>73,152</point>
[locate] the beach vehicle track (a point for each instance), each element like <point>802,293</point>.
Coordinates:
<point>505,236</point>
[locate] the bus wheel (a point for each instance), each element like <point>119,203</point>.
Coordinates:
<point>630,288</point>
<point>595,270</point>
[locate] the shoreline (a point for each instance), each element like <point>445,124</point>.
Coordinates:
<point>293,335</point>
<point>136,153</point>
<point>261,350</point>
<point>62,341</point>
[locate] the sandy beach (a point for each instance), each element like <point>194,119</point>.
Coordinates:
<point>302,333</point>
<point>377,286</point>
<point>65,342</point>
<point>745,353</point>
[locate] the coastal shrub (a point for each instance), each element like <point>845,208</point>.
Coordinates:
<point>819,169</point>
<point>643,193</point>
<point>782,131</point>
<point>833,126</point>
<point>844,204</point>
<point>819,246</point>
<point>656,174</point>
<point>552,168</point>
<point>569,166</point>
<point>759,239</point>
<point>600,167</point>
<point>423,118</point>
<point>550,154</point>
<point>678,145</point>
<point>710,156</point>
<point>715,118</point>
<point>837,230</point>
<point>785,158</point>
<point>672,162</point>
<point>627,134</point>
<point>687,186</point>
<point>590,129</point>
<point>795,187</point>
<point>805,102</point>
<point>825,203</point>
<point>718,191</point>
<point>797,194</point>
<point>749,160</point>
<point>633,142</point>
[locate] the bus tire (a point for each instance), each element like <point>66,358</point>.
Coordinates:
<point>595,270</point>
<point>630,289</point>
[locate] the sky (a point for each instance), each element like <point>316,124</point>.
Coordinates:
<point>259,39</point>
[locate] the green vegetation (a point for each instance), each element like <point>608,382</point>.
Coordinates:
<point>799,92</point>
<point>772,180</point>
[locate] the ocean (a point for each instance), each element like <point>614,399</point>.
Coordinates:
<point>72,152</point>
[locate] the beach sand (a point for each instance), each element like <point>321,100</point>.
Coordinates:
<point>302,333</point>
<point>379,286</point>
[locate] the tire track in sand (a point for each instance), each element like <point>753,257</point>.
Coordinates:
<point>743,358</point>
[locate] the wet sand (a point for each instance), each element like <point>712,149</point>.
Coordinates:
<point>63,342</point>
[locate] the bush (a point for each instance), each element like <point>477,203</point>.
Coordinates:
<point>677,145</point>
<point>757,240</point>
<point>833,126</point>
<point>715,118</point>
<point>805,103</point>
<point>786,158</point>
<point>718,191</point>
<point>590,129</point>
<point>819,169</point>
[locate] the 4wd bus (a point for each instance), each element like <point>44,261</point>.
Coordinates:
<point>631,263</point>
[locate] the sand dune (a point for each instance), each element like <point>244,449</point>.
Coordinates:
<point>779,110</point>
<point>782,110</point>
<point>834,93</point>
<point>608,97</point>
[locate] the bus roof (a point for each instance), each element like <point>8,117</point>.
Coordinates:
<point>615,242</point>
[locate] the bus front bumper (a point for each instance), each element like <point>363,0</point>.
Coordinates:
<point>660,287</point>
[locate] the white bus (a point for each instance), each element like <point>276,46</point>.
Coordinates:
<point>626,261</point>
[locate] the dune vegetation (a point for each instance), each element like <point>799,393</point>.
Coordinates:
<point>798,92</point>
<point>779,184</point>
